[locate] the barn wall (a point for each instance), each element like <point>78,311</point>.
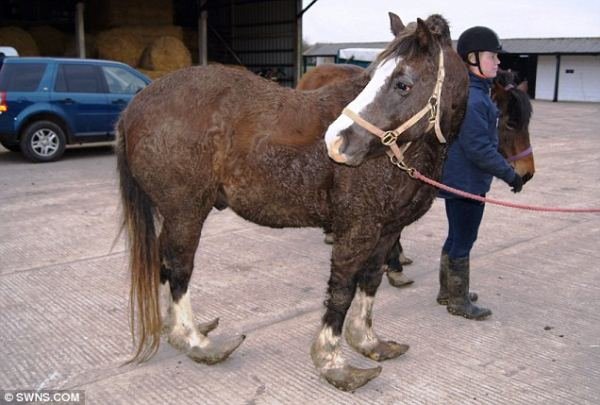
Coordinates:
<point>545,77</point>
<point>579,78</point>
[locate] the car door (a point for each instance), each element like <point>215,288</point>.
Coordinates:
<point>122,85</point>
<point>80,91</point>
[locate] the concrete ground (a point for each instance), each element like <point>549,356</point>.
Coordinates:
<point>64,293</point>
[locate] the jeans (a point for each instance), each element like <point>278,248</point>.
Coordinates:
<point>464,217</point>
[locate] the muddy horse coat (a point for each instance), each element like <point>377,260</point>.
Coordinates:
<point>214,136</point>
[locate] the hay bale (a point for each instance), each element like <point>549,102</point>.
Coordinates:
<point>153,74</point>
<point>72,51</point>
<point>121,45</point>
<point>166,54</point>
<point>149,34</point>
<point>19,39</point>
<point>50,41</point>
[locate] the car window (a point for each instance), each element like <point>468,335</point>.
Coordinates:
<point>21,76</point>
<point>121,81</point>
<point>78,78</point>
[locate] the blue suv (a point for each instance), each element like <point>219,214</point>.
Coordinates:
<point>47,103</point>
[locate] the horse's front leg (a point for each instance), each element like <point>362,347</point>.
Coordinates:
<point>359,323</point>
<point>326,351</point>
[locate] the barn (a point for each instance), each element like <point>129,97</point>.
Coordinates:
<point>557,69</point>
<point>264,36</point>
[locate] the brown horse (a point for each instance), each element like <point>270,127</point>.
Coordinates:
<point>214,136</point>
<point>513,128</point>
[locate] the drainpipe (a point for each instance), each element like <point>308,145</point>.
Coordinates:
<point>555,99</point>
<point>80,29</point>
<point>202,34</point>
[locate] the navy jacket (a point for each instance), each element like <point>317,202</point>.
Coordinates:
<point>473,158</point>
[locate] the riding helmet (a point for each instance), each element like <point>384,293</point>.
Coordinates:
<point>478,39</point>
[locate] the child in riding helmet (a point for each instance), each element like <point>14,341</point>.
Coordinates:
<point>473,160</point>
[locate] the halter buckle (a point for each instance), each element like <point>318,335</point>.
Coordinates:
<point>389,138</point>
<point>434,108</point>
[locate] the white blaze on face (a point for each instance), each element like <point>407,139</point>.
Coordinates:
<point>332,138</point>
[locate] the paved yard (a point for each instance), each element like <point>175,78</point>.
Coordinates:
<point>63,293</point>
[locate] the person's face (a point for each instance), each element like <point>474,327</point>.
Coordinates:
<point>488,61</point>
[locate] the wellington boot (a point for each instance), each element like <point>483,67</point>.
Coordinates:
<point>442,297</point>
<point>459,302</point>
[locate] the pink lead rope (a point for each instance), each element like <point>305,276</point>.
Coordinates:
<point>415,174</point>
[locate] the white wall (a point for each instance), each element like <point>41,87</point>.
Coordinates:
<point>581,85</point>
<point>545,77</point>
<point>584,83</point>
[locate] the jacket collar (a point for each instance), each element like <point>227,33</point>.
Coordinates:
<point>479,82</point>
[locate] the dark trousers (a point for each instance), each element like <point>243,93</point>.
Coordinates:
<point>464,217</point>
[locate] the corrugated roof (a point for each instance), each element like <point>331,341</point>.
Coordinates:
<point>511,45</point>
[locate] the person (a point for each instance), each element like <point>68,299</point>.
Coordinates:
<point>473,160</point>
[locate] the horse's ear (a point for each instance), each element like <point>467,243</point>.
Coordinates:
<point>396,24</point>
<point>423,34</point>
<point>523,86</point>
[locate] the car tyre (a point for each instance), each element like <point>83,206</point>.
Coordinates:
<point>43,141</point>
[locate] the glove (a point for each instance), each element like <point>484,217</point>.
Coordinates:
<point>516,184</point>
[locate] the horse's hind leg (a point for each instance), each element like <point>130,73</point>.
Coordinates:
<point>178,242</point>
<point>359,331</point>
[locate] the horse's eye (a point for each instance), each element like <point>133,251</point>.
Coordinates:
<point>403,86</point>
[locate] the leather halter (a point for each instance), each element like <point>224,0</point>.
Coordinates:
<point>389,138</point>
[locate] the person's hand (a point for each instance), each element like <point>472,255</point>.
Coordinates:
<point>516,184</point>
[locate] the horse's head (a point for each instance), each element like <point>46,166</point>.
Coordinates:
<point>403,82</point>
<point>513,128</point>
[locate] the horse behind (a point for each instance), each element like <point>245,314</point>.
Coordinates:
<point>211,136</point>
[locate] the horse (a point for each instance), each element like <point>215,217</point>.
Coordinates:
<point>211,136</point>
<point>513,128</point>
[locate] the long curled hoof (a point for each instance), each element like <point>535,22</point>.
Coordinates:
<point>385,350</point>
<point>214,353</point>
<point>206,327</point>
<point>348,378</point>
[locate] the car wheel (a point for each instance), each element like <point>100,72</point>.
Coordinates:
<point>43,141</point>
<point>13,147</point>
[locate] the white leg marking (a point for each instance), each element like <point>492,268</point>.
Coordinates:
<point>359,328</point>
<point>365,97</point>
<point>329,351</point>
<point>183,323</point>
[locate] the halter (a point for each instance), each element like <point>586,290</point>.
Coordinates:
<point>520,155</point>
<point>389,138</point>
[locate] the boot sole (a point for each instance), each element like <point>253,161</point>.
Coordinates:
<point>465,315</point>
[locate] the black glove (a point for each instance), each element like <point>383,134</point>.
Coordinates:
<point>516,184</point>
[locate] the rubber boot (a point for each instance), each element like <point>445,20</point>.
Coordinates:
<point>442,297</point>
<point>459,302</point>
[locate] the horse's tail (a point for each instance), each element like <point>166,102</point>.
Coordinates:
<point>138,219</point>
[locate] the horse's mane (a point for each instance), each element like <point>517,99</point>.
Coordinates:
<point>406,43</point>
<point>519,107</point>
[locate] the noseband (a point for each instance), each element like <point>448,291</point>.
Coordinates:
<point>520,155</point>
<point>389,138</point>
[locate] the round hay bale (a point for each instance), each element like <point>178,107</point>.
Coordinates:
<point>166,54</point>
<point>121,45</point>
<point>19,39</point>
<point>91,51</point>
<point>50,41</point>
<point>153,74</point>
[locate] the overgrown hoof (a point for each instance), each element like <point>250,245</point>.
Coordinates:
<point>472,312</point>
<point>398,279</point>
<point>215,353</point>
<point>443,299</point>
<point>385,350</point>
<point>348,378</point>
<point>405,261</point>
<point>206,327</point>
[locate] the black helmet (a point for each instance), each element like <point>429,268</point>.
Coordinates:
<point>478,39</point>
